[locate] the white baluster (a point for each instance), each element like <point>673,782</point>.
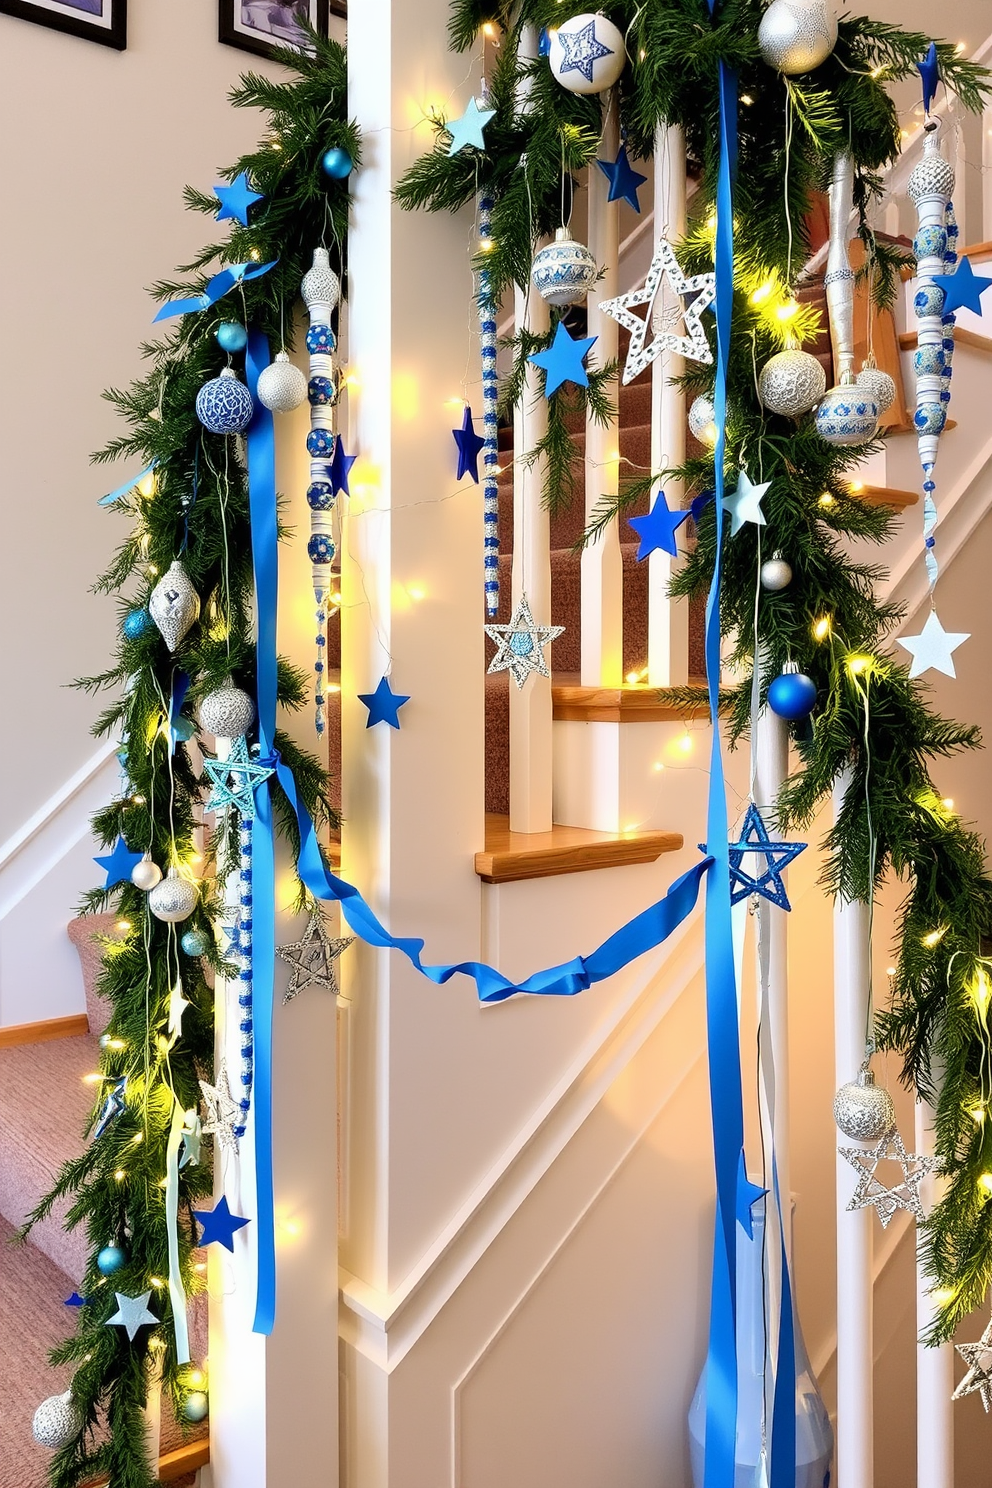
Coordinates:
<point>668,620</point>
<point>934,1366</point>
<point>602,563</point>
<point>985,177</point>
<point>959,159</point>
<point>770,770</point>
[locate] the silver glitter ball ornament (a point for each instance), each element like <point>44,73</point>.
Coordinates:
<point>321,286</point>
<point>146,874</point>
<point>56,1421</point>
<point>223,405</point>
<point>791,382</point>
<point>932,175</point>
<point>174,604</point>
<point>563,271</point>
<point>775,573</point>
<point>879,385</point>
<point>174,899</point>
<point>281,385</point>
<point>797,35</point>
<point>702,416</point>
<point>863,1110</point>
<point>227,713</point>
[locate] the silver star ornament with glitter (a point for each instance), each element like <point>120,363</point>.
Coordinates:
<point>693,344</point>
<point>904,1195</point>
<point>978,1357</point>
<point>312,958</point>
<point>223,1113</point>
<point>520,645</point>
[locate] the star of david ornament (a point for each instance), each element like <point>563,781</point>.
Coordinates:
<point>223,1112</point>
<point>978,1357</point>
<point>520,645</point>
<point>312,958</point>
<point>694,345</point>
<point>870,1190</point>
<point>234,780</point>
<point>754,839</point>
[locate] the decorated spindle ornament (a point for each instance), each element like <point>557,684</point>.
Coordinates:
<point>490,424</point>
<point>564,271</point>
<point>863,1110</point>
<point>174,605</point>
<point>321,289</point>
<point>848,413</point>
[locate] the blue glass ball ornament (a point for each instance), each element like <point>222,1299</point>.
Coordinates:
<point>320,495</point>
<point>110,1259</point>
<point>195,1406</point>
<point>223,405</point>
<point>320,548</point>
<point>136,622</point>
<point>231,336</point>
<point>320,340</point>
<point>792,694</point>
<point>521,643</point>
<point>320,443</point>
<point>337,164</point>
<point>320,390</point>
<point>194,943</point>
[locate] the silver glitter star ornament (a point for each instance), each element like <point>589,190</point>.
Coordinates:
<point>312,958</point>
<point>693,344</point>
<point>223,1113</point>
<point>978,1357</point>
<point>132,1313</point>
<point>904,1195</point>
<point>520,645</point>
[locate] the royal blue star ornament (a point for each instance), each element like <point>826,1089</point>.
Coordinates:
<point>469,446</point>
<point>929,69</point>
<point>658,528</point>
<point>339,467</point>
<point>219,1225</point>
<point>236,199</point>
<point>564,360</point>
<point>963,289</point>
<point>754,841</point>
<point>623,179</point>
<point>118,864</point>
<point>384,704</point>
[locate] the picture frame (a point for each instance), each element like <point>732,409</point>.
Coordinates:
<point>102,21</point>
<point>263,26</point>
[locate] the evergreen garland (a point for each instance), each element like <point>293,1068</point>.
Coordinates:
<point>196,506</point>
<point>872,719</point>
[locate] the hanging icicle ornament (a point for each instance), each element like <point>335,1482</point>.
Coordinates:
<point>791,382</point>
<point>587,54</point>
<point>797,35</point>
<point>563,272</point>
<point>321,289</point>
<point>242,946</point>
<point>863,1110</point>
<point>223,405</point>
<point>848,413</point>
<point>174,605</point>
<point>490,425</point>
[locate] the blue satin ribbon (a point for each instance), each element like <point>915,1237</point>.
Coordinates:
<point>128,485</point>
<point>215,289</point>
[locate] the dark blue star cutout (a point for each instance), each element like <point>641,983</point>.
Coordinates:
<point>929,70</point>
<point>236,199</point>
<point>563,360</point>
<point>755,839</point>
<point>384,704</point>
<point>658,528</point>
<point>623,179</point>
<point>469,444</point>
<point>339,467</point>
<point>582,50</point>
<point>964,288</point>
<point>75,1301</point>
<point>219,1224</point>
<point>748,1194</point>
<point>119,864</point>
<point>113,1105</point>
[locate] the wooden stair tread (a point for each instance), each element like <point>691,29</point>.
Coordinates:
<point>883,495</point>
<point>632,703</point>
<point>184,1460</point>
<point>511,856</point>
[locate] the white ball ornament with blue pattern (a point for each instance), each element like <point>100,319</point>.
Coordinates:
<point>223,405</point>
<point>587,54</point>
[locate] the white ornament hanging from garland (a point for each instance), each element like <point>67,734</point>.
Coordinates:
<point>776,573</point>
<point>146,874</point>
<point>57,1421</point>
<point>702,420</point>
<point>563,272</point>
<point>797,35</point>
<point>174,899</point>
<point>174,605</point>
<point>281,385</point>
<point>863,1110</point>
<point>879,386</point>
<point>587,54</point>
<point>321,289</point>
<point>693,343</point>
<point>227,712</point>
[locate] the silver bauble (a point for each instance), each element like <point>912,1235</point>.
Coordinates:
<point>174,899</point>
<point>863,1110</point>
<point>847,415</point>
<point>702,417</point>
<point>227,713</point>
<point>791,382</point>
<point>321,286</point>
<point>879,385</point>
<point>56,1421</point>
<point>563,271</point>
<point>174,604</point>
<point>146,874</point>
<point>775,573</point>
<point>591,58</point>
<point>281,385</point>
<point>797,35</point>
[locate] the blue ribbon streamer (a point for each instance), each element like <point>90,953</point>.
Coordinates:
<point>215,289</point>
<point>128,485</point>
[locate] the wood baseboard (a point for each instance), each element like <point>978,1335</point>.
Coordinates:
<point>42,1033</point>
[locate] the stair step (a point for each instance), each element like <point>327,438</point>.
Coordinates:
<point>962,337</point>
<point>883,495</point>
<point>509,856</point>
<point>631,703</point>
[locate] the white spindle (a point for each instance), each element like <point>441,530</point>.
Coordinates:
<point>855,1439</point>
<point>934,1366</point>
<point>668,620</point>
<point>602,563</point>
<point>986,169</point>
<point>961,206</point>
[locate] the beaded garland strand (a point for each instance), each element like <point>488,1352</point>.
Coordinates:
<point>242,944</point>
<point>320,290</point>
<point>490,429</point>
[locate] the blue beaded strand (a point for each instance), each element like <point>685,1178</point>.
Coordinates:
<point>490,428</point>
<point>243,946</point>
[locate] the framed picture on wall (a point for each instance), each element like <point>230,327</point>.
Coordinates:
<point>104,21</point>
<point>262,26</point>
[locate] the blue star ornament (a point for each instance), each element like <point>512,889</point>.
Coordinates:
<point>748,1194</point>
<point>384,704</point>
<point>754,840</point>
<point>564,359</point>
<point>469,445</point>
<point>744,503</point>
<point>468,130</point>
<point>339,468</point>
<point>132,1313</point>
<point>623,178</point>
<point>658,528</point>
<point>964,288</point>
<point>929,70</point>
<point>235,780</point>
<point>119,864</point>
<point>219,1225</point>
<point>236,199</point>
<point>582,50</point>
<point>75,1301</point>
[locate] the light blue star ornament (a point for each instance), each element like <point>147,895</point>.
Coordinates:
<point>468,130</point>
<point>132,1313</point>
<point>234,780</point>
<point>658,528</point>
<point>236,199</point>
<point>118,864</point>
<point>744,503</point>
<point>384,704</point>
<point>933,646</point>
<point>582,50</point>
<point>623,178</point>
<point>564,360</point>
<point>964,288</point>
